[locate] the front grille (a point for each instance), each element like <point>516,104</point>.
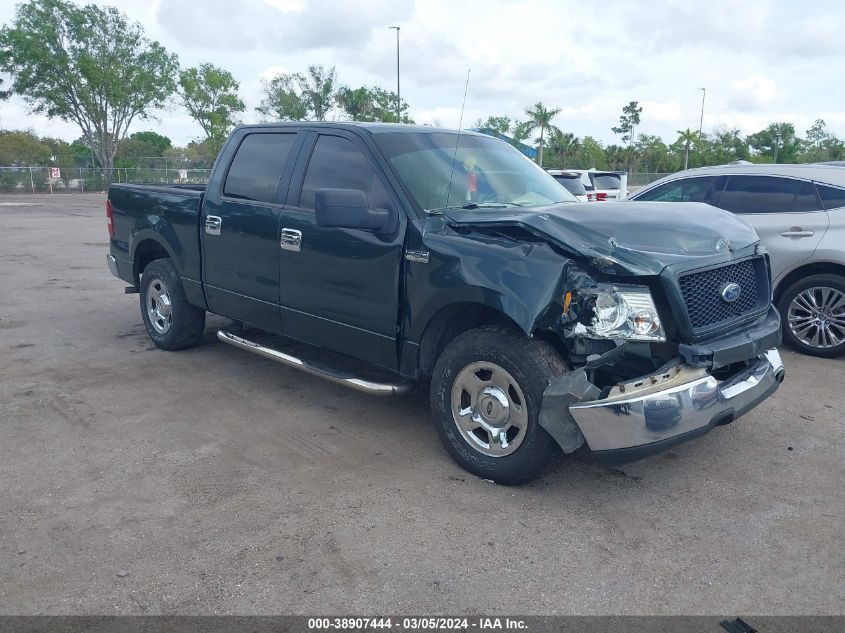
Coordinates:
<point>702,293</point>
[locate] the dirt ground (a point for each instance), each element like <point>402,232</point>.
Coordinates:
<point>213,481</point>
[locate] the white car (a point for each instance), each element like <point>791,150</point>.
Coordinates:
<point>602,186</point>
<point>571,180</point>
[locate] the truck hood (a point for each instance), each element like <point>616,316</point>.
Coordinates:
<point>642,238</point>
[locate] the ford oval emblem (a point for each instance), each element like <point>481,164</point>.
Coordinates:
<point>731,292</point>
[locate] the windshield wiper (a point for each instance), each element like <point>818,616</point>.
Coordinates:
<point>477,205</point>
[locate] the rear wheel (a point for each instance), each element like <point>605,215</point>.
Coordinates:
<point>813,315</point>
<point>486,394</point>
<point>172,323</point>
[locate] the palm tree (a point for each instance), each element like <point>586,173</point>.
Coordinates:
<point>563,145</point>
<point>540,117</point>
<point>687,137</point>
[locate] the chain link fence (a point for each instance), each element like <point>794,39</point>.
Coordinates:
<point>33,180</point>
<point>81,179</point>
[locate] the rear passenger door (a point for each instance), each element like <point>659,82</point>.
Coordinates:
<point>339,287</point>
<point>785,212</point>
<point>240,230</point>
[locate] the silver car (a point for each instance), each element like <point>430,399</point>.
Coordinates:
<point>799,213</point>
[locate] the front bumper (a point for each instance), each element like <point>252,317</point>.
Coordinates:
<point>652,414</point>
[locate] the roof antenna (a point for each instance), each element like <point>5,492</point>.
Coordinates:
<point>458,139</point>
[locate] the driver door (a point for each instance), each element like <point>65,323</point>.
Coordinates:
<point>339,287</point>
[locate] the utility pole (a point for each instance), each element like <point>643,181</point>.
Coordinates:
<point>398,94</point>
<point>701,120</point>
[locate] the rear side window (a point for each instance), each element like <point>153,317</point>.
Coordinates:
<point>257,167</point>
<point>572,184</point>
<point>832,197</point>
<point>766,194</point>
<point>336,163</point>
<point>606,181</point>
<point>685,190</point>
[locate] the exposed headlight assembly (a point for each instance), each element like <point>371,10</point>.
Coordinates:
<point>625,312</point>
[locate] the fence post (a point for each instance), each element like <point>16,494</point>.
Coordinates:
<point>31,181</point>
<point>81,182</point>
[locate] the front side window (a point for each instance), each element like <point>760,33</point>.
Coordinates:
<point>257,167</point>
<point>684,190</point>
<point>766,194</point>
<point>482,172</point>
<point>336,163</point>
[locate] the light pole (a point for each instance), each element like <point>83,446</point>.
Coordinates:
<point>701,120</point>
<point>398,94</point>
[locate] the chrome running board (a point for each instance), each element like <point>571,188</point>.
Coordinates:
<point>341,378</point>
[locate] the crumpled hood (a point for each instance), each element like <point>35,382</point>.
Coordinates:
<point>641,237</point>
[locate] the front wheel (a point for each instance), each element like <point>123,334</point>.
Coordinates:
<point>172,323</point>
<point>813,314</point>
<point>486,394</point>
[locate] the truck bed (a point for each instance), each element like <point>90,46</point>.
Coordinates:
<point>144,213</point>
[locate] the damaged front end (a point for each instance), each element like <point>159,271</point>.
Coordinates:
<point>633,390</point>
<point>656,354</point>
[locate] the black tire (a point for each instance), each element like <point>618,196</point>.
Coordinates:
<point>186,323</point>
<point>532,364</point>
<point>835,282</point>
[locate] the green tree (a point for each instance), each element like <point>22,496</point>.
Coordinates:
<point>816,137</point>
<point>23,148</point>
<point>496,124</point>
<point>540,118</point>
<point>357,103</point>
<point>300,96</point>
<point>158,142</point>
<point>282,99</point>
<point>562,146</point>
<point>384,104</point>
<point>687,137</point>
<point>628,122</point>
<point>210,95</point>
<point>777,143</point>
<point>86,65</point>
<point>590,154</point>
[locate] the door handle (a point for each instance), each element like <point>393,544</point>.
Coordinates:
<point>213,224</point>
<point>291,240</point>
<point>797,233</point>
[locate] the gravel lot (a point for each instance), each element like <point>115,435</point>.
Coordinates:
<point>213,481</point>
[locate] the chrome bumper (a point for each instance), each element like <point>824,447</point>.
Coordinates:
<point>112,262</point>
<point>680,404</point>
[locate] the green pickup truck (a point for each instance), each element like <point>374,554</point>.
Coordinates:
<point>385,257</point>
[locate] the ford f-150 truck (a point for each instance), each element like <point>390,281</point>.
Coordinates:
<point>387,256</point>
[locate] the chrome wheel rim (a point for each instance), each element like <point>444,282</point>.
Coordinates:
<point>816,317</point>
<point>489,409</point>
<point>159,307</point>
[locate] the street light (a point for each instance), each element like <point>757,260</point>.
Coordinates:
<point>398,94</point>
<point>701,120</point>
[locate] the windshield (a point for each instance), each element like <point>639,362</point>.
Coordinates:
<point>573,184</point>
<point>488,173</point>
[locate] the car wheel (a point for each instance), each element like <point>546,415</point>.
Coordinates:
<point>172,323</point>
<point>813,314</point>
<point>486,393</point>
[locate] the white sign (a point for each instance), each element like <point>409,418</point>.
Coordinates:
<point>183,174</point>
<point>55,172</point>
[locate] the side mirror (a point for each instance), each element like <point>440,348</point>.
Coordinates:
<point>348,209</point>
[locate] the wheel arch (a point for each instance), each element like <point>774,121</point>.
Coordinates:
<point>805,270</point>
<point>147,249</point>
<point>451,321</point>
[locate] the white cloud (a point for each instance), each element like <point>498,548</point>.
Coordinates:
<point>760,61</point>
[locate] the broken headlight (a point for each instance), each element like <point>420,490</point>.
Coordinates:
<point>625,312</point>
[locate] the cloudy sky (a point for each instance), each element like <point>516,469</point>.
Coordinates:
<point>760,60</point>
